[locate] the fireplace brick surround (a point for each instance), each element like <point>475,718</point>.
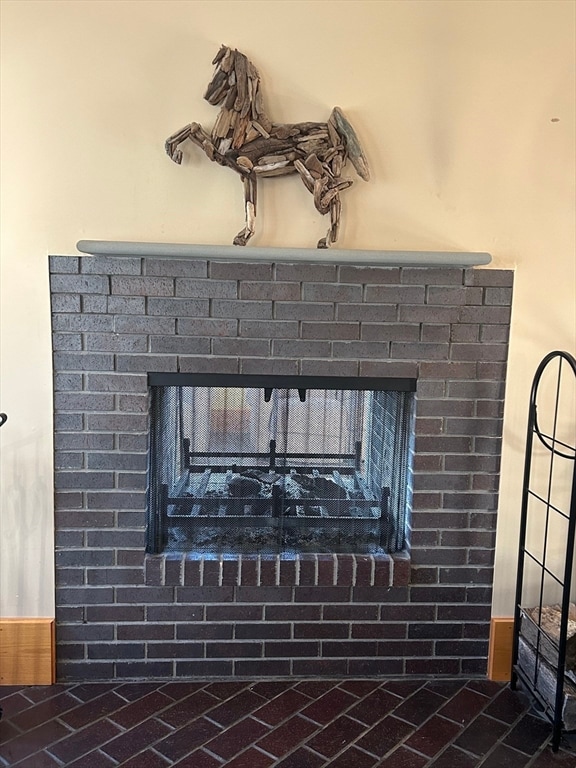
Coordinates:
<point>425,611</point>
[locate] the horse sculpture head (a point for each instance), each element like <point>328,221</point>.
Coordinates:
<point>245,139</point>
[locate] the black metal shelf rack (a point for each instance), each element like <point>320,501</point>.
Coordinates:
<point>542,511</point>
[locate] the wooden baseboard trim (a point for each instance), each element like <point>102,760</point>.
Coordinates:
<point>500,650</point>
<point>27,652</point>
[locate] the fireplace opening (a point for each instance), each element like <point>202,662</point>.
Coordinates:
<point>279,464</point>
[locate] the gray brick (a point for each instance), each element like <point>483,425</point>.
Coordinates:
<point>314,273</point>
<point>300,348</point>
<point>453,295</point>
<point>489,445</point>
<point>83,480</point>
<point>434,333</point>
<point>132,442</point>
<point>443,444</point>
<point>126,305</point>
<point>447,370</point>
<point>412,313</point>
<point>500,296</point>
<point>142,286</point>
<point>481,500</point>
<point>465,332</point>
<point>141,324</point>
<point>175,267</point>
<point>116,422</point>
<point>94,303</point>
<point>66,342</point>
<point>329,368</point>
<point>491,371</point>
<point>117,500</point>
<point>206,289</point>
<point>490,390</point>
<point>115,537</point>
<point>223,270</point>
<point>84,595</point>
<point>179,345</point>
<point>178,307</point>
<point>489,277</point>
<point>146,363</point>
<point>364,275</point>
<point>477,427</point>
<point>202,326</point>
<point>68,422</point>
<point>84,557</point>
<point>395,294</point>
<point>432,275</point>
<point>360,349</point>
<point>83,362</point>
<point>68,382</point>
<point>331,330</point>
<point>65,302</point>
<point>431,389</point>
<point>117,461</point>
<point>270,366</point>
<point>366,313</point>
<point>489,315</point>
<point>114,342</point>
<point>331,292</point>
<point>115,382</point>
<point>275,291</point>
<point>83,441</point>
<point>491,352</point>
<point>495,333</point>
<point>84,519</point>
<point>275,329</point>
<point>68,460</point>
<point>391,368</point>
<point>419,351</point>
<point>257,310</point>
<point>208,365</point>
<point>448,407</point>
<point>110,265</point>
<point>131,481</point>
<point>390,332</point>
<point>132,403</point>
<point>79,284</point>
<point>303,311</point>
<point>67,401</point>
<point>241,347</point>
<point>490,409</point>
<point>64,264</point>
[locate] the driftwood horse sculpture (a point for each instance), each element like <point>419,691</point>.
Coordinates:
<point>245,139</point>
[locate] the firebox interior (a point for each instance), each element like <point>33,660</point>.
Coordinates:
<point>279,465</point>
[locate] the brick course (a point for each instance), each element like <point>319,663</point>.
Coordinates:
<point>122,614</point>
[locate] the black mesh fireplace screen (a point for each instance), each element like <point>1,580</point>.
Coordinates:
<point>272,465</point>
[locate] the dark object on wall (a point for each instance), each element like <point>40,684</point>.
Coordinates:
<point>245,139</point>
<point>3,419</point>
<point>543,649</point>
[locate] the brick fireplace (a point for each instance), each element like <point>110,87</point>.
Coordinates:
<point>122,613</point>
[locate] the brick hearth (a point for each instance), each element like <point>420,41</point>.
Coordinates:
<point>124,614</point>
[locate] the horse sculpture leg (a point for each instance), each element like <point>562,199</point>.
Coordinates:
<point>250,192</point>
<point>196,134</point>
<point>332,234</point>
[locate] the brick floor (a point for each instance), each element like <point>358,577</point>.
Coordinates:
<point>281,724</point>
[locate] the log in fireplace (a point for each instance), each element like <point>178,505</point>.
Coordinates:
<point>279,464</point>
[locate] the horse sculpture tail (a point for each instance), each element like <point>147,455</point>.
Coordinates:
<point>344,129</point>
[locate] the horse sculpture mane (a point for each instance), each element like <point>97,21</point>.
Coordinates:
<point>245,139</point>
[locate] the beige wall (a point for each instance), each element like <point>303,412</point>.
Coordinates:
<point>466,112</point>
